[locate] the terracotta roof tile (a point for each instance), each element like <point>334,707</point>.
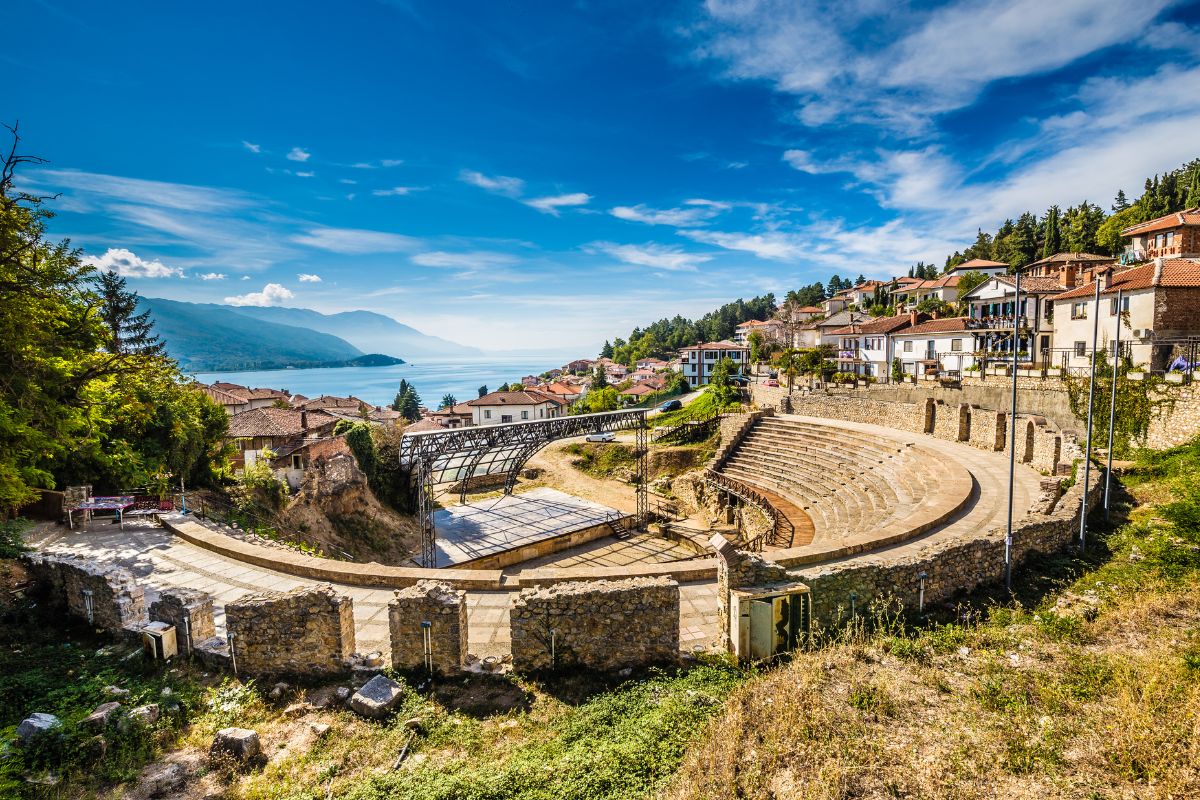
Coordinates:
<point>272,422</point>
<point>944,325</point>
<point>1175,273</point>
<point>528,397</point>
<point>1189,216</point>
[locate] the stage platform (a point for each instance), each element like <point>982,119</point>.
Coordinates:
<point>500,531</point>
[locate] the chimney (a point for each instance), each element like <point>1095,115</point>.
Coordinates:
<point>912,318</point>
<point>303,420</point>
<point>935,314</point>
<point>1158,271</point>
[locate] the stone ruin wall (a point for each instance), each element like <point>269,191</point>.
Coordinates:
<point>307,631</point>
<point>190,611</point>
<point>445,609</point>
<point>601,625</point>
<point>118,602</point>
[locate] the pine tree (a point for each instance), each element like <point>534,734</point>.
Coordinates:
<point>448,401</point>
<point>483,390</point>
<point>398,401</point>
<point>1120,203</point>
<point>599,379</point>
<point>1193,195</point>
<point>607,350</point>
<point>127,332</point>
<point>1053,236</point>
<point>410,405</point>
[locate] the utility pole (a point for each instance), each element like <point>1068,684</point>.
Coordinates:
<point>1012,437</point>
<point>1112,402</point>
<point>1087,451</point>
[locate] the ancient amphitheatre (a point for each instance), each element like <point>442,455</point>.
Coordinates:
<point>846,509</point>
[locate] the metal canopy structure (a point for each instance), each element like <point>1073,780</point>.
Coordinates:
<point>457,455</point>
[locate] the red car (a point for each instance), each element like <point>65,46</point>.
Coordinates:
<point>770,382</point>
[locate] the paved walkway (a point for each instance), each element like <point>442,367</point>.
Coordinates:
<point>161,561</point>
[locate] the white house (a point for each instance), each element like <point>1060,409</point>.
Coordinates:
<point>1160,301</point>
<point>990,307</point>
<point>867,347</point>
<point>496,408</point>
<point>771,330</point>
<point>697,361</point>
<point>944,288</point>
<point>937,344</point>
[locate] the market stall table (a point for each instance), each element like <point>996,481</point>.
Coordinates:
<point>118,505</point>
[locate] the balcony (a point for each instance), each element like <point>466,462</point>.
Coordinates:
<point>997,323</point>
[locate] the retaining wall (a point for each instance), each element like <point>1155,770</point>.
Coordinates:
<point>307,631</point>
<point>602,625</point>
<point>190,611</point>
<point>118,603</point>
<point>445,609</point>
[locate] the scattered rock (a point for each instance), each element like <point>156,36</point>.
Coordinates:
<point>116,691</point>
<point>323,697</point>
<point>377,698</point>
<point>297,710</point>
<point>342,693</point>
<point>240,743</point>
<point>626,672</point>
<point>37,724</point>
<point>159,779</point>
<point>147,714</point>
<point>318,728</point>
<point>278,690</point>
<point>414,723</point>
<point>98,720</point>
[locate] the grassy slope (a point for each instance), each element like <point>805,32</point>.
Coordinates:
<point>1089,690</point>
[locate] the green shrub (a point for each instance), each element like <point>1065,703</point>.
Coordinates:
<point>12,544</point>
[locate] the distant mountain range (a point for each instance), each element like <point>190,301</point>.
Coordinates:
<point>208,337</point>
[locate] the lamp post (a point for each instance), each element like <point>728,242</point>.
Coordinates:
<point>1112,402</point>
<point>1087,450</point>
<point>1012,436</point>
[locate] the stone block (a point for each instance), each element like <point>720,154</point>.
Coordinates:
<point>37,724</point>
<point>444,609</point>
<point>147,714</point>
<point>377,698</point>
<point>161,779</point>
<point>307,631</point>
<point>240,743</point>
<point>98,720</point>
<point>190,611</point>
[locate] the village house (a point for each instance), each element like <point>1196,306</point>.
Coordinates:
<point>935,346</point>
<point>866,347</point>
<point>639,391</point>
<point>1159,305</point>
<point>579,366</point>
<point>496,408</point>
<point>836,303</point>
<point>293,438</point>
<point>1068,269</point>
<point>254,398</point>
<point>805,336</point>
<point>825,327</point>
<point>459,415</point>
<point>990,308</point>
<point>980,265</point>
<point>232,403</point>
<point>566,392</point>
<point>697,361</point>
<point>943,289</point>
<point>651,363</point>
<point>351,405</point>
<point>1173,236</point>
<point>771,331</point>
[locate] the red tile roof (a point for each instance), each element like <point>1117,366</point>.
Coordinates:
<point>1189,216</point>
<point>1069,258</point>
<point>877,325</point>
<point>723,345</point>
<point>1174,273</point>
<point>426,424</point>
<point>528,397</point>
<point>976,263</point>
<point>275,422</point>
<point>1032,285</point>
<point>948,280</point>
<point>945,325</point>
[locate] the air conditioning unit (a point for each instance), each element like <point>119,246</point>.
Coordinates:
<point>1142,333</point>
<point>158,641</point>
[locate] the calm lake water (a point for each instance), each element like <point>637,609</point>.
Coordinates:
<point>377,385</point>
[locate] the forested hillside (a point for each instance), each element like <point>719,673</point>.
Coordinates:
<point>668,335</point>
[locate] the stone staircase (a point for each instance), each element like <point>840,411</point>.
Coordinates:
<point>848,482</point>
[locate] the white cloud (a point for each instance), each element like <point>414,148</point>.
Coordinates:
<point>933,61</point>
<point>307,277</point>
<point>771,245</point>
<point>347,181</point>
<point>179,196</point>
<point>273,294</point>
<point>498,184</point>
<point>474,259</point>
<point>355,241</point>
<point>128,265</point>
<point>304,174</point>
<point>213,276</point>
<point>253,148</point>
<point>551,205</point>
<point>397,191</point>
<point>391,162</point>
<point>651,255</point>
<point>245,277</point>
<point>698,212</point>
<point>298,154</point>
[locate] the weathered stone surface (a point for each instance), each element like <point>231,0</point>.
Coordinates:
<point>98,719</point>
<point>603,625</point>
<point>104,593</point>
<point>240,743</point>
<point>147,714</point>
<point>377,698</point>
<point>445,609</point>
<point>737,568</point>
<point>160,779</point>
<point>36,724</point>
<point>308,631</point>
<point>190,611</point>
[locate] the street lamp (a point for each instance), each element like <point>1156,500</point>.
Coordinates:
<point>1087,450</point>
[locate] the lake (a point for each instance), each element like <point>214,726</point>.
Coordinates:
<point>377,385</point>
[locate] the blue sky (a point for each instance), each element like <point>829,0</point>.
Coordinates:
<point>548,175</point>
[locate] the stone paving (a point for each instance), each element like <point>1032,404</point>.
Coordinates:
<point>160,560</point>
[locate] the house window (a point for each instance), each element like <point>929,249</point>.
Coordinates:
<point>1079,310</point>
<point>487,414</point>
<point>908,347</point>
<point>506,417</point>
<point>524,415</point>
<point>297,461</point>
<point>1080,349</point>
<point>1112,306</point>
<point>956,345</point>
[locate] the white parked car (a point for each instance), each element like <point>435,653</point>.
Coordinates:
<point>600,437</point>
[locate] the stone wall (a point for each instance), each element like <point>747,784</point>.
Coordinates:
<point>1179,426</point>
<point>446,611</point>
<point>951,565</point>
<point>736,568</point>
<point>117,602</point>
<point>602,625</point>
<point>190,611</point>
<point>307,631</point>
<point>951,422</point>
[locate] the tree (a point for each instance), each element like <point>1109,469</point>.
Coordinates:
<point>1120,203</point>
<point>790,365</point>
<point>719,383</point>
<point>448,401</point>
<point>1193,195</point>
<point>1053,236</point>
<point>483,390</point>
<point>756,346</point>
<point>410,404</point>
<point>607,350</point>
<point>969,280</point>
<point>398,401</point>
<point>127,332</point>
<point>599,378</point>
<point>897,370</point>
